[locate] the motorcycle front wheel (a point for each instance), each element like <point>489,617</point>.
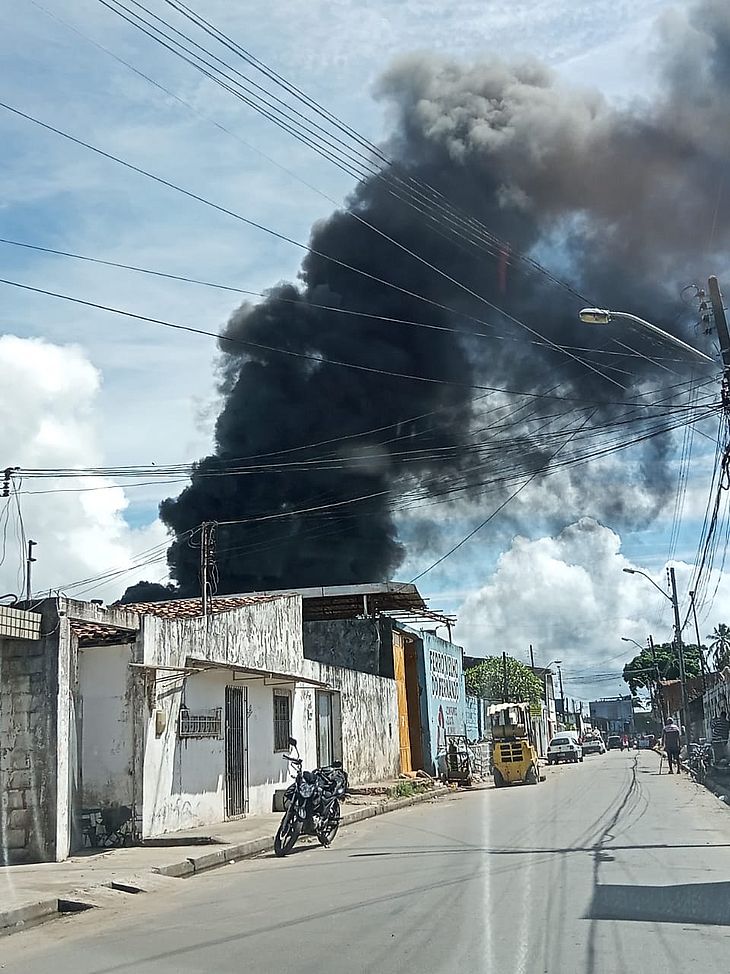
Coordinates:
<point>287,833</point>
<point>329,830</point>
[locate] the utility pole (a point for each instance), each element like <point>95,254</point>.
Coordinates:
<point>703,665</point>
<point>28,563</point>
<point>505,693</point>
<point>660,693</point>
<point>562,694</point>
<point>207,556</point>
<point>680,650</point>
<point>532,659</point>
<point>718,315</point>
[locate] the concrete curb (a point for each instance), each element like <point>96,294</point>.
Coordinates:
<point>19,918</point>
<point>254,847</point>
<point>26,916</point>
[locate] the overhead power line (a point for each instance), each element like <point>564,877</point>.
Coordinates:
<point>245,343</point>
<point>304,303</point>
<point>311,250</point>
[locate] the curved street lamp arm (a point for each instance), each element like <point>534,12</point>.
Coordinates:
<point>664,334</point>
<point>635,571</point>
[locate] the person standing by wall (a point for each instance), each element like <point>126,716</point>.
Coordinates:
<point>720,731</point>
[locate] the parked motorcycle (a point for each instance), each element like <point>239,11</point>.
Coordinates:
<point>311,804</point>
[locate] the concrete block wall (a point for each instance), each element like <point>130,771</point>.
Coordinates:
<point>27,751</point>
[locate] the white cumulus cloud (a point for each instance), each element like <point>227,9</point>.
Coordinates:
<point>568,596</point>
<point>48,400</point>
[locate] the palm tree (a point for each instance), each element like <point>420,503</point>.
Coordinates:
<point>720,645</point>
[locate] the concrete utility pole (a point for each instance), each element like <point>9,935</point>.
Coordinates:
<point>562,694</point>
<point>718,315</point>
<point>703,664</point>
<point>680,650</point>
<point>505,690</point>
<point>28,564</point>
<point>207,556</point>
<point>659,690</point>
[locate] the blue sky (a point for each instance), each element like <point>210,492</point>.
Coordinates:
<point>140,395</point>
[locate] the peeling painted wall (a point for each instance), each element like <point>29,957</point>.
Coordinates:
<point>185,778</point>
<point>184,781</point>
<point>369,708</point>
<point>265,636</point>
<point>49,689</point>
<point>106,703</point>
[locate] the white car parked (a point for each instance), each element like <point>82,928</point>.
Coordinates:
<point>564,747</point>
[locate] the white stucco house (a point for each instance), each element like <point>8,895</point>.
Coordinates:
<point>163,719</point>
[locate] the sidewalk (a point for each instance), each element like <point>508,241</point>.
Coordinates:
<point>31,894</point>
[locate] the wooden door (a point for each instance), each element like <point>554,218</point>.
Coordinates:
<point>399,669</point>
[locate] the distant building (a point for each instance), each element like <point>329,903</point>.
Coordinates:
<point>612,715</point>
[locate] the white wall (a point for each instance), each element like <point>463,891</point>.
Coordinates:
<point>106,703</point>
<point>184,780</point>
<point>267,768</point>
<point>184,783</point>
<point>369,708</point>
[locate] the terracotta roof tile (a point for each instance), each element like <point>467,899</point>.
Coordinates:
<point>193,608</point>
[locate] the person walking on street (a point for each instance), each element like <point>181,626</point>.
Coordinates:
<point>671,738</point>
<point>720,731</point>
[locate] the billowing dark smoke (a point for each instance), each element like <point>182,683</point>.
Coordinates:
<point>626,204</point>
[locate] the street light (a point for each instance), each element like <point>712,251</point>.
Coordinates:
<point>677,633</point>
<point>602,316</point>
<point>635,571</point>
<point>625,639</point>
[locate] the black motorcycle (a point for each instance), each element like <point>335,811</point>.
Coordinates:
<point>311,804</point>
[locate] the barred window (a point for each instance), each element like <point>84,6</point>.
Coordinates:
<point>207,724</point>
<point>282,720</point>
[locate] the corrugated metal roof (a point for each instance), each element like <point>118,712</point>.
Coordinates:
<point>193,608</point>
<point>328,602</point>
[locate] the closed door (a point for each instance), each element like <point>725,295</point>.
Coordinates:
<point>236,751</point>
<point>399,670</point>
<point>324,729</point>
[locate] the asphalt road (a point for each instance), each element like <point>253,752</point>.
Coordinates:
<point>605,867</point>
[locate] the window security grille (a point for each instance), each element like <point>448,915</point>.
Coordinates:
<point>282,720</point>
<point>200,725</point>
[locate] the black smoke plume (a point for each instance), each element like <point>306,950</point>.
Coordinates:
<point>627,204</point>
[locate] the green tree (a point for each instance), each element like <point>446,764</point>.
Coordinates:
<point>720,645</point>
<point>640,671</point>
<point>487,680</point>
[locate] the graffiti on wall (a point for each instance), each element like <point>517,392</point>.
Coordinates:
<point>445,676</point>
